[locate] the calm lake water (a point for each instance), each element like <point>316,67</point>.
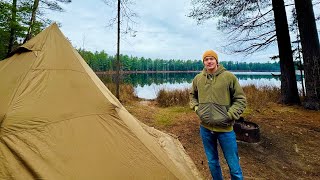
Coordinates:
<point>147,85</point>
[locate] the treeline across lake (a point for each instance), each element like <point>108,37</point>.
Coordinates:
<point>101,61</point>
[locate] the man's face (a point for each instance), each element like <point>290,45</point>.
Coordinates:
<point>210,64</point>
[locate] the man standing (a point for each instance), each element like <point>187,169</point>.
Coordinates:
<point>218,99</point>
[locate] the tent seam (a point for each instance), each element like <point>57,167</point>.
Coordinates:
<point>16,89</point>
<point>33,51</point>
<point>40,126</point>
<point>59,70</point>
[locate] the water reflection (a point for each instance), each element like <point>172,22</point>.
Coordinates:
<point>148,85</point>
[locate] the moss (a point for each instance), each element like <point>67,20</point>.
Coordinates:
<point>167,116</point>
<point>180,109</point>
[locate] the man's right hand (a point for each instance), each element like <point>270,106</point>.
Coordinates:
<point>195,108</point>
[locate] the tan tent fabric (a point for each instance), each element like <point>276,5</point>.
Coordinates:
<point>59,121</point>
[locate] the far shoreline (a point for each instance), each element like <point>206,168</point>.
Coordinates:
<point>149,72</point>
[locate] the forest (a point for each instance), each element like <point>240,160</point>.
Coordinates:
<point>101,61</point>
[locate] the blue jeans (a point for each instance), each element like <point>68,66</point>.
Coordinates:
<point>228,144</point>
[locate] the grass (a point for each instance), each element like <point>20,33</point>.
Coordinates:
<point>167,116</point>
<point>172,98</point>
<point>257,97</point>
<point>127,92</point>
<point>164,118</point>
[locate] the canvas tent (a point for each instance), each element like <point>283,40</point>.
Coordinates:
<point>59,121</point>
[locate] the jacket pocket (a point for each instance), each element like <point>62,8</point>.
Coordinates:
<point>214,115</point>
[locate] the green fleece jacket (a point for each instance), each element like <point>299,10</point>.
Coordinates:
<point>218,99</point>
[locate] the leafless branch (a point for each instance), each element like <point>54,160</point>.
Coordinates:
<point>254,47</point>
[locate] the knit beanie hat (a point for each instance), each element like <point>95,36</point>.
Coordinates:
<point>210,53</point>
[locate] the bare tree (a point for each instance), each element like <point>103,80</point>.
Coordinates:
<point>125,16</point>
<point>249,24</point>
<point>118,53</point>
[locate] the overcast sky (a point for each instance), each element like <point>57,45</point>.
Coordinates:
<point>163,31</point>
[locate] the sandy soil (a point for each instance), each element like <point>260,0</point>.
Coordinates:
<point>289,146</point>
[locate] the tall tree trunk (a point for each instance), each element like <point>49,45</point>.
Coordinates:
<point>310,52</point>
<point>118,56</point>
<point>32,20</point>
<point>13,25</point>
<point>289,90</point>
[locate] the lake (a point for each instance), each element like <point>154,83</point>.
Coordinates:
<point>147,85</point>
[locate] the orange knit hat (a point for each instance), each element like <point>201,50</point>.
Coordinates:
<point>210,53</point>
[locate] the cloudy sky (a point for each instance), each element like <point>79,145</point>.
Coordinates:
<point>163,31</point>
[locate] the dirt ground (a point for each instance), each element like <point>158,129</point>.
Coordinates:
<point>289,146</point>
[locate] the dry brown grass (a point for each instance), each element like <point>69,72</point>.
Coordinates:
<point>127,93</point>
<point>173,98</point>
<point>259,97</point>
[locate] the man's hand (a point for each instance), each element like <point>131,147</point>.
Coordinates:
<point>195,108</point>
